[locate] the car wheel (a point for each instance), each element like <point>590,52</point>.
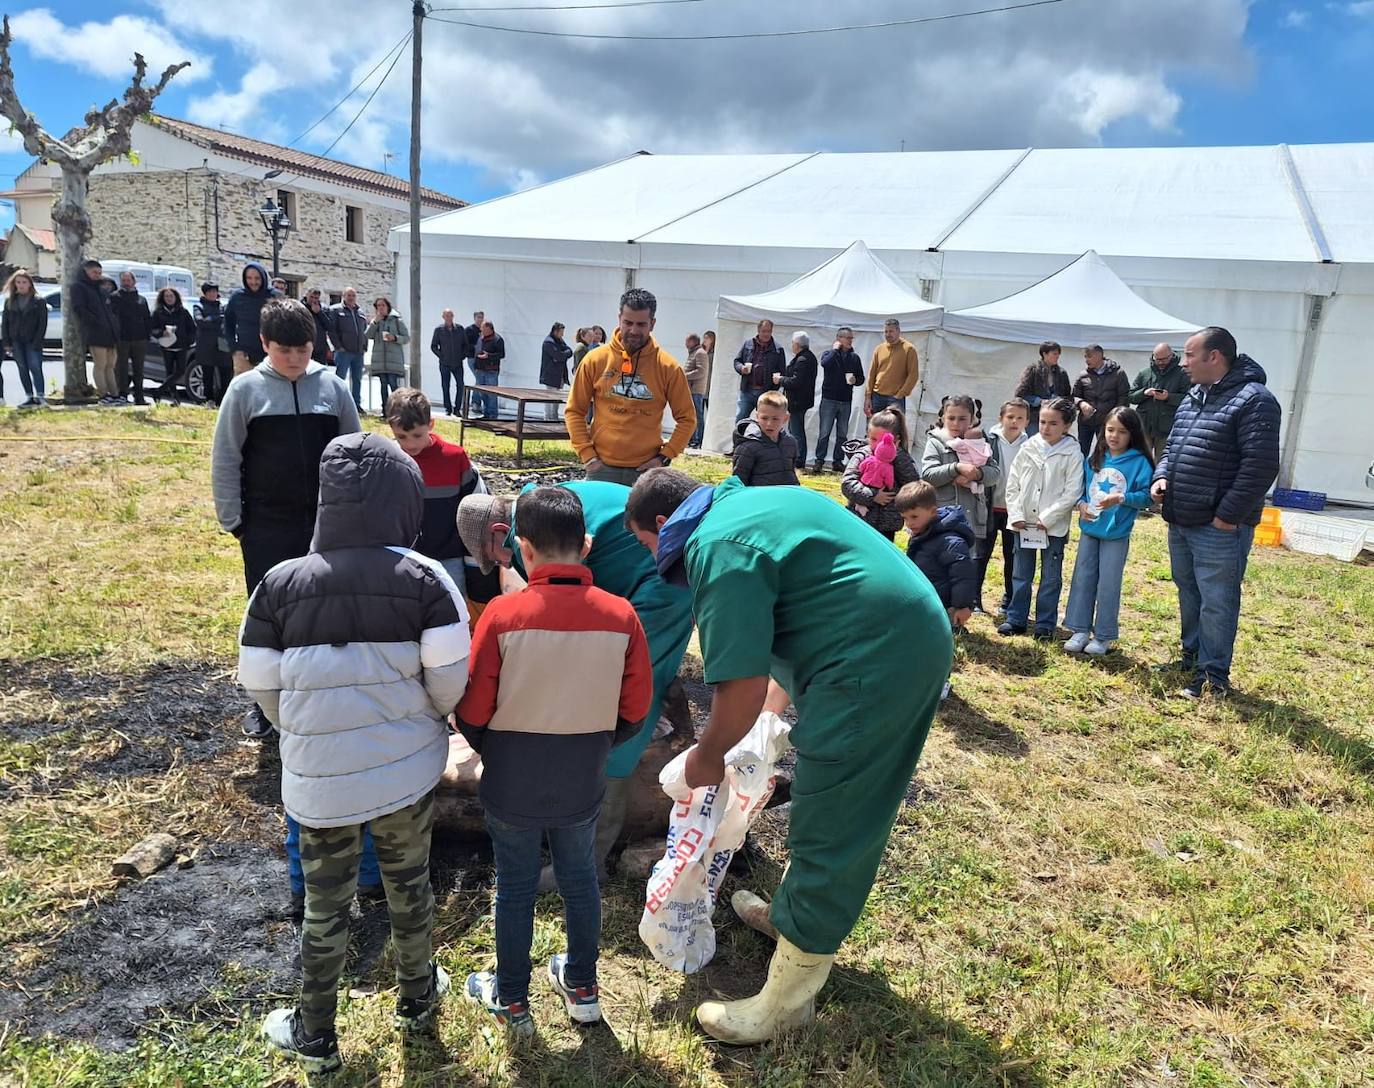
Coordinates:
<point>195,382</point>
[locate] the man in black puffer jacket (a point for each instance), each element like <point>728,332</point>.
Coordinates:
<point>1221,458</point>
<point>1102,386</point>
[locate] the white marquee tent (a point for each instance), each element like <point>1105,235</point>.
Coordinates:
<point>853,288</point>
<point>983,350</point>
<point>1276,243</point>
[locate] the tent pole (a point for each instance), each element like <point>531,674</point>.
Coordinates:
<point>1316,307</point>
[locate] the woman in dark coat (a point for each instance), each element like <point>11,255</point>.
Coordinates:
<point>553,366</point>
<point>172,319</point>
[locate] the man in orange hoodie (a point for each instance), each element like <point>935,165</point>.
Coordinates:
<point>629,382</point>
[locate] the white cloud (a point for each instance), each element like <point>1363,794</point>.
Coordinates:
<point>1295,19</point>
<point>529,108</point>
<point>1361,7</point>
<point>107,49</point>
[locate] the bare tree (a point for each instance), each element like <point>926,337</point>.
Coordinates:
<point>104,136</point>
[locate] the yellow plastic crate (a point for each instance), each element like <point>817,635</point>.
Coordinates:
<point>1268,536</point>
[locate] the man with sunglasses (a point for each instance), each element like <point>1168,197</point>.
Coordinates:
<point>629,382</point>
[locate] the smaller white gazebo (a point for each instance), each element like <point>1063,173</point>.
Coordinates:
<point>983,350</point>
<point>853,288</point>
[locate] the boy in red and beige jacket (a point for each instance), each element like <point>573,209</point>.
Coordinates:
<point>558,674</point>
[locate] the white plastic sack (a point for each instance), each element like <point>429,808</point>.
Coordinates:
<point>706,828</point>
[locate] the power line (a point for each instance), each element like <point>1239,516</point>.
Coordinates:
<point>737,37</point>
<point>575,7</point>
<point>352,90</point>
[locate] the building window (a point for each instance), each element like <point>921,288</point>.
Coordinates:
<point>286,201</point>
<point>353,224</point>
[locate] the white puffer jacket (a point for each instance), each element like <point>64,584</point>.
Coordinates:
<point>1045,484</point>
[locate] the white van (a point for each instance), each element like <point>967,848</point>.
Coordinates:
<point>144,275</point>
<point>170,275</point>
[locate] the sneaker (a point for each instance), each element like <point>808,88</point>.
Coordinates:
<point>1001,610</point>
<point>1202,687</point>
<point>256,726</point>
<point>1043,635</point>
<point>371,893</point>
<point>415,1013</point>
<point>1009,628</point>
<point>30,403</point>
<point>1099,647</point>
<point>481,988</point>
<point>583,1002</point>
<point>284,1032</point>
<point>836,466</point>
<point>295,909</point>
<point>1183,664</point>
<point>1077,642</point>
<point>945,691</point>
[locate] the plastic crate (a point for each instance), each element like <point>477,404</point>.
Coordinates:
<point>1339,538</point>
<point>1268,536</point>
<point>1299,500</point>
<point>1271,518</point>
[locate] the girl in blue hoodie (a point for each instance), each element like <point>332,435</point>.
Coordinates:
<point>1116,488</point>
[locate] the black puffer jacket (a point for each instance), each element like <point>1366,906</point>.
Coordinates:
<point>944,552</point>
<point>91,307</point>
<point>132,313</point>
<point>761,462</point>
<point>25,322</point>
<point>1223,452</point>
<point>904,471</point>
<point>1104,389</point>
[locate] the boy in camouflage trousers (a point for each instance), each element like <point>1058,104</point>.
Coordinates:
<point>357,652</point>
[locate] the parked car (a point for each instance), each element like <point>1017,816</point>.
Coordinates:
<point>154,368</point>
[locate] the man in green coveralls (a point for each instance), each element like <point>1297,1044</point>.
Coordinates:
<point>619,565</point>
<point>787,584</point>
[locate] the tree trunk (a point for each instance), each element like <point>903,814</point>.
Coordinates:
<point>73,228</point>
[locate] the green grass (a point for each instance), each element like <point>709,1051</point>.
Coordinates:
<point>1096,884</point>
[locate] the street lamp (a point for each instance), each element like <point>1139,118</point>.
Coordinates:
<point>277,224</point>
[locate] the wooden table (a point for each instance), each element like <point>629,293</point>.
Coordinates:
<point>520,428</point>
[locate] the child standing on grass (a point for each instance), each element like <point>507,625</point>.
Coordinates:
<point>764,454</point>
<point>450,477</point>
<point>942,546</point>
<point>873,505</point>
<point>1116,487</point>
<point>358,652</point>
<point>273,424</point>
<point>560,674</point>
<point>956,478</point>
<point>1006,438</point>
<point>1046,482</point>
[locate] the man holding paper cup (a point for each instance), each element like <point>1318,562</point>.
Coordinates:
<point>777,575</point>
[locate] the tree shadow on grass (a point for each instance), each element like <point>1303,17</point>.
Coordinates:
<point>972,729</point>
<point>864,1031</point>
<point>1305,730</point>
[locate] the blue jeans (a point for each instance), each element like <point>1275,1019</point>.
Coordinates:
<point>796,427</point>
<point>348,365</point>
<point>1208,567</point>
<point>485,402</point>
<point>748,400</point>
<point>699,403</point>
<point>452,374</point>
<point>1051,582</point>
<point>29,359</point>
<point>880,402</point>
<point>369,873</point>
<point>834,416</point>
<point>1096,586</point>
<point>516,851</point>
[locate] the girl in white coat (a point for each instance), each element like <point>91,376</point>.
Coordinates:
<point>1045,484</point>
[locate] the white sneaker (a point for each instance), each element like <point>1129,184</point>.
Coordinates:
<point>1077,642</point>
<point>1098,648</point>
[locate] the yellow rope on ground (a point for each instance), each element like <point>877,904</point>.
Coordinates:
<point>102,438</point>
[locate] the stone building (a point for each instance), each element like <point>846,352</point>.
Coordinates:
<point>190,196</point>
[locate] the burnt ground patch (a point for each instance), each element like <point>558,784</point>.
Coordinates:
<point>504,477</point>
<point>113,725</point>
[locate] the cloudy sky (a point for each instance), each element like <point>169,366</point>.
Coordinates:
<point>504,110</point>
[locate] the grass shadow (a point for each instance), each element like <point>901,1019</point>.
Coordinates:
<point>1305,730</point>
<point>974,730</point>
<point>1017,656</point>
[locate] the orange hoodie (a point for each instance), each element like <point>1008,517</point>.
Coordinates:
<point>627,430</point>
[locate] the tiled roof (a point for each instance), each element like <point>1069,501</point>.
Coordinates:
<point>298,162</point>
<point>41,239</point>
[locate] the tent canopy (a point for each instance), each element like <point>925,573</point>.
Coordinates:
<point>853,288</point>
<point>1081,304</point>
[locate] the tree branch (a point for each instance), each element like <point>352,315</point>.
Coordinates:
<point>37,141</point>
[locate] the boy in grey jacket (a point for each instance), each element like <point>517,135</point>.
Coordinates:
<point>358,652</point>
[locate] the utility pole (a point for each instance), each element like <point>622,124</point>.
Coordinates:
<point>416,324</point>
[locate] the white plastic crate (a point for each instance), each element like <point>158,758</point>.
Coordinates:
<point>1315,534</point>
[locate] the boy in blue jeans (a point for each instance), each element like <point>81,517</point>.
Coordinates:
<point>560,673</point>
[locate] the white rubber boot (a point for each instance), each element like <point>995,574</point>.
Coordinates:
<point>787,1000</point>
<point>753,912</point>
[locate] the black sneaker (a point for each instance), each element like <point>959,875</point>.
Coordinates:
<point>415,1013</point>
<point>835,466</point>
<point>1043,635</point>
<point>371,893</point>
<point>1183,664</point>
<point>256,726</point>
<point>284,1031</point>
<point>1010,628</point>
